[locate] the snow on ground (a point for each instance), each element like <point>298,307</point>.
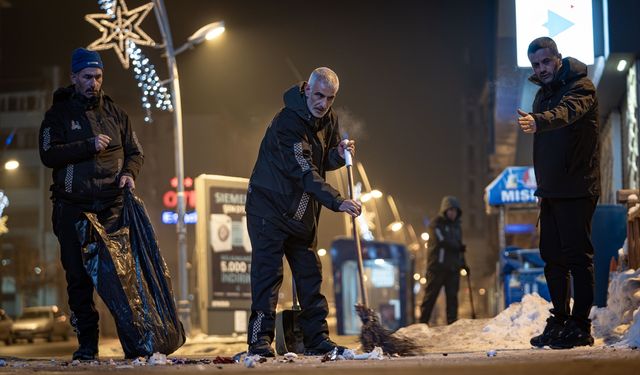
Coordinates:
<point>511,329</point>
<point>618,324</point>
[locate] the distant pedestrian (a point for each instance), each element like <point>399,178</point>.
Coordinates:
<point>445,259</point>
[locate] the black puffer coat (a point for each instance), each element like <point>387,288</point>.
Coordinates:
<point>565,145</point>
<point>446,250</point>
<point>288,184</point>
<point>67,144</point>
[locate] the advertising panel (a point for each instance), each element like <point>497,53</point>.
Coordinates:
<point>223,254</point>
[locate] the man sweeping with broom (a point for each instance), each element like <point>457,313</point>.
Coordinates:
<point>286,191</point>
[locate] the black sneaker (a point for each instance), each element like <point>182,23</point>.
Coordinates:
<point>85,353</point>
<point>88,349</point>
<point>551,332</point>
<point>261,348</point>
<point>324,347</point>
<point>573,335</point>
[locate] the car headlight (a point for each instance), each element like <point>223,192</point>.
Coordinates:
<point>26,327</point>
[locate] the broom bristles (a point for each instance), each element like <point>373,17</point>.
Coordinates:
<point>374,334</point>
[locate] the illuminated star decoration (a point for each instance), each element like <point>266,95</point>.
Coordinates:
<point>120,27</point>
<point>145,73</point>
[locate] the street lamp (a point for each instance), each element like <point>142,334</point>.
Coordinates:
<point>372,194</point>
<point>397,223</point>
<point>206,32</point>
<point>184,308</point>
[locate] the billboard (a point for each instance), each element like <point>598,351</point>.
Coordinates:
<point>223,254</point>
<point>568,22</point>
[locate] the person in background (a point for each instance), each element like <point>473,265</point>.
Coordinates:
<point>445,258</point>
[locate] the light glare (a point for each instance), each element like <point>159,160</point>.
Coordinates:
<point>212,34</point>
<point>11,165</point>
<point>622,64</point>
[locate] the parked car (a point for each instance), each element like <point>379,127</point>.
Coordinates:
<point>41,321</point>
<point>6,325</point>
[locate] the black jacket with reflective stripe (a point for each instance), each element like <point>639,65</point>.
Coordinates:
<point>445,252</point>
<point>67,145</point>
<point>288,184</point>
<point>565,145</point>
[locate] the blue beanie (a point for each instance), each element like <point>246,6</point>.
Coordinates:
<point>84,58</point>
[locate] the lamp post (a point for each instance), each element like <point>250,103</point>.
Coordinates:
<point>207,32</point>
<point>373,194</point>
<point>397,225</point>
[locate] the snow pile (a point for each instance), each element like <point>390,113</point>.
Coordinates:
<point>511,329</point>
<point>515,326</point>
<point>619,323</point>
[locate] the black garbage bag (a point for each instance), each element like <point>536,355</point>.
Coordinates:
<point>132,279</point>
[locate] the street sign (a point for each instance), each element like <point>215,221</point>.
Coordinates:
<point>515,185</point>
<point>568,22</point>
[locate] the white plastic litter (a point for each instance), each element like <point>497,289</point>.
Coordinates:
<point>75,362</point>
<point>375,354</point>
<point>158,359</point>
<point>250,361</point>
<point>492,353</point>
<point>290,356</point>
<point>140,361</point>
<point>349,354</point>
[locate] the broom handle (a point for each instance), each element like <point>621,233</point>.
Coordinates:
<point>473,309</point>
<point>356,237</point>
<point>294,293</point>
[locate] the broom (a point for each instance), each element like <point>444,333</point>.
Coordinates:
<point>372,333</point>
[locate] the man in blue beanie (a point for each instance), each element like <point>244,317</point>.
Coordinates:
<point>89,143</point>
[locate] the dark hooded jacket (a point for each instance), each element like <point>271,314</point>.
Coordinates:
<point>67,144</point>
<point>446,250</point>
<point>288,184</point>
<point>565,145</point>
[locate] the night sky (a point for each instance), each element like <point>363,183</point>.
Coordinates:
<point>405,68</point>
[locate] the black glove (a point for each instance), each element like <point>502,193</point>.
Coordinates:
<point>463,263</point>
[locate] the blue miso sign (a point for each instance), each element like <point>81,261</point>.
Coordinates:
<point>515,185</point>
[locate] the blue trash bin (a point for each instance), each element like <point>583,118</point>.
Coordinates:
<point>608,232</point>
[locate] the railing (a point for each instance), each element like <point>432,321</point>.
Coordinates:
<point>630,198</point>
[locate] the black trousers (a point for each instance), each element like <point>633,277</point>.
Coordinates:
<point>270,243</point>
<point>565,246</point>
<point>79,285</point>
<point>436,279</point>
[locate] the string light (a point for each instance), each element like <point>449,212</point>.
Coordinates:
<point>154,94</point>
